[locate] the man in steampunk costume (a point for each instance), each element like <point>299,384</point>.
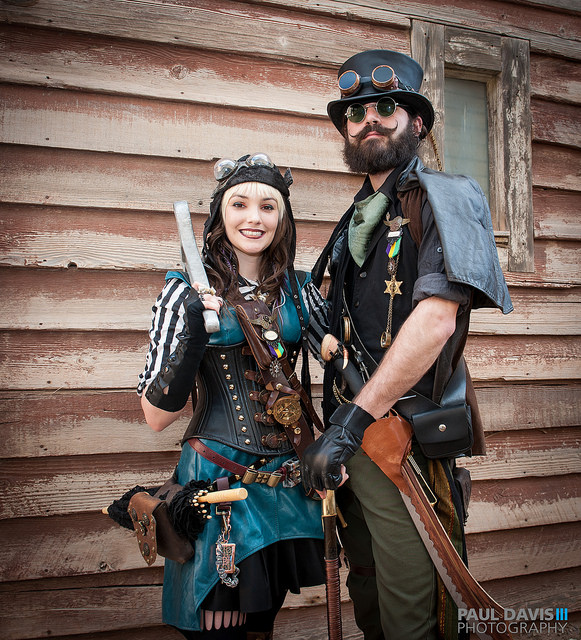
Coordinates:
<point>408,261</point>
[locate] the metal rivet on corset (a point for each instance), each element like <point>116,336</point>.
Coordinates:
<point>231,387</point>
<point>244,429</point>
<point>247,441</point>
<point>223,356</point>
<point>240,418</point>
<point>442,427</point>
<point>228,376</point>
<point>234,397</point>
<point>166,369</point>
<point>238,407</point>
<point>225,367</point>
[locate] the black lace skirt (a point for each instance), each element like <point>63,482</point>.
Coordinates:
<point>268,574</point>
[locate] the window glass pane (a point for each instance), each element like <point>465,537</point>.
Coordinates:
<point>466,136</point>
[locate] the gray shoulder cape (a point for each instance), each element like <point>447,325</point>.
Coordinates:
<point>464,225</point>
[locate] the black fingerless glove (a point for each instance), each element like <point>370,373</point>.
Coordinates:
<point>179,370</point>
<point>322,460</point>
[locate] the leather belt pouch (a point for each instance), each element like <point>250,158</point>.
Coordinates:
<point>442,430</point>
<point>155,531</point>
<point>445,432</point>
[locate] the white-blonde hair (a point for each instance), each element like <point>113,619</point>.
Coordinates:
<point>254,190</point>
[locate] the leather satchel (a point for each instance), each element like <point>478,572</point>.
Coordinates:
<point>154,529</point>
<point>442,430</point>
<point>445,431</point>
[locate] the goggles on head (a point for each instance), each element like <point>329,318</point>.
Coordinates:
<point>382,77</point>
<point>226,168</point>
<point>385,107</point>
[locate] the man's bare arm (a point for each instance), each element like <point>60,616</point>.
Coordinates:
<point>415,349</point>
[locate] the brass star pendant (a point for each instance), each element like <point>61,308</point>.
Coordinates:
<point>393,287</point>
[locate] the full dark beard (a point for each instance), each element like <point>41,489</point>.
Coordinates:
<point>375,156</point>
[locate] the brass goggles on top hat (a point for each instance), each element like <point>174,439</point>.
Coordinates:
<point>226,168</point>
<point>382,77</point>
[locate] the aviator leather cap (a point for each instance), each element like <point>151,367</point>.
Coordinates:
<point>409,73</point>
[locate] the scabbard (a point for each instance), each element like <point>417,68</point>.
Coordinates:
<point>332,582</point>
<point>388,443</point>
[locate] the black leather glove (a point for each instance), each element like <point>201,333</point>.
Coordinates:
<point>322,460</point>
<point>179,370</point>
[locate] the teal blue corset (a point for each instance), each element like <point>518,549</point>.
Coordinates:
<point>230,332</point>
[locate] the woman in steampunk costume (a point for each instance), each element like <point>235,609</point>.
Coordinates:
<point>252,418</point>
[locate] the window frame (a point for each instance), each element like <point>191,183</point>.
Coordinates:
<point>503,63</point>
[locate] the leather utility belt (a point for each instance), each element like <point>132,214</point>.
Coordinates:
<point>288,473</point>
<point>283,396</point>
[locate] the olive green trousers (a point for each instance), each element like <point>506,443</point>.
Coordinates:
<point>392,580</point>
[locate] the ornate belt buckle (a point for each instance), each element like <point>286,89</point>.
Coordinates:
<point>287,410</point>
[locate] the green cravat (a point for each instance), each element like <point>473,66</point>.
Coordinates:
<point>367,214</point>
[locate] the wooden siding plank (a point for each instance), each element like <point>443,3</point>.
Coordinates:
<point>521,358</point>
<point>87,611</point>
<point>99,360</point>
<point>523,406</point>
<point>280,31</point>
<point>555,123</point>
<point>146,576</point>
<point>555,79</point>
<point>36,175</point>
<point>111,65</point>
<point>112,240</point>
<point>557,214</point>
<point>52,613</point>
<point>547,589</point>
<point>63,546</point>
<point>59,486</point>
<point>91,544</point>
<point>214,25</point>
<point>536,312</point>
<point>39,424</point>
<point>79,299</point>
<point>520,503</point>
<point>556,167</point>
<point>427,47</point>
<point>82,299</point>
<point>556,265</point>
<point>113,124</point>
<point>534,550</point>
<point>533,453</point>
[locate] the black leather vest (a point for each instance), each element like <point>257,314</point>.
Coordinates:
<point>224,410</point>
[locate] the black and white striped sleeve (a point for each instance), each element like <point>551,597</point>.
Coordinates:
<point>167,322</point>
<point>318,319</point>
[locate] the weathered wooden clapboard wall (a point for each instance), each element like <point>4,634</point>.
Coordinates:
<point>114,109</point>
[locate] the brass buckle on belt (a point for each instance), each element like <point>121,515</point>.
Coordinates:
<point>270,478</point>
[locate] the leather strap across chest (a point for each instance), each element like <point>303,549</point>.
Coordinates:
<point>277,376</point>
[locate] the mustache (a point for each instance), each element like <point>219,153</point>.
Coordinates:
<point>384,131</point>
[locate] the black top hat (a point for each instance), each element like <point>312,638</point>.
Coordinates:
<point>409,76</point>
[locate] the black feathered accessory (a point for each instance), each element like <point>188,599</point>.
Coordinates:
<point>187,516</point>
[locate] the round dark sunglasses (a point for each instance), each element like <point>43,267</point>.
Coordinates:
<point>385,107</point>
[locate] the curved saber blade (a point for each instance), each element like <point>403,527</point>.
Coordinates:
<point>192,259</point>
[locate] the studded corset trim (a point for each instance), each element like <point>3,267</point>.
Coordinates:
<point>229,408</point>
